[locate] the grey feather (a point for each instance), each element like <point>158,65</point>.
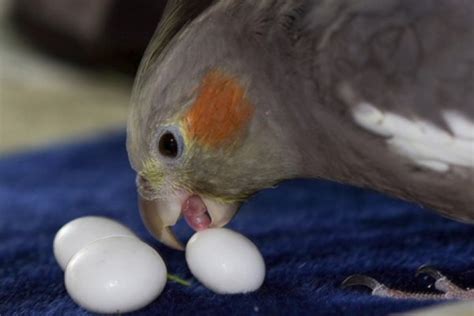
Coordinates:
<point>306,64</point>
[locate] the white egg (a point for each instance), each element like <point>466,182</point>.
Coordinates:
<point>80,232</point>
<point>115,275</point>
<point>225,261</point>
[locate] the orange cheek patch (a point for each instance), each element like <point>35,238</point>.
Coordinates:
<point>220,112</point>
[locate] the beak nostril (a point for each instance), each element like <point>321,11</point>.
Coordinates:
<point>144,188</point>
<point>141,180</point>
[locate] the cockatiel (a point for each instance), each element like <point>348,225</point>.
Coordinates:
<point>236,96</point>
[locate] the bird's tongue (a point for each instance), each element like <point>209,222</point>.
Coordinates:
<point>195,213</point>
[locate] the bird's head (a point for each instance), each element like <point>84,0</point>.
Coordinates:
<point>200,136</point>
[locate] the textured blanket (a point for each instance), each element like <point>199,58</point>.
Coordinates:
<point>312,234</point>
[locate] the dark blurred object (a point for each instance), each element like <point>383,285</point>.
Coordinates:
<point>96,32</point>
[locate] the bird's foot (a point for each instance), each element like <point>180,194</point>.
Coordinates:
<point>449,290</point>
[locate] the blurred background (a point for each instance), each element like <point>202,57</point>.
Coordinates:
<point>67,67</point>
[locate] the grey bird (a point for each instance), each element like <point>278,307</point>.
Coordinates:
<point>236,96</point>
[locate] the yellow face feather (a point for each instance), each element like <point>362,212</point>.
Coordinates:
<point>152,171</point>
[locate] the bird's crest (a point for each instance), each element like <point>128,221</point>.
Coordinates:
<point>177,14</point>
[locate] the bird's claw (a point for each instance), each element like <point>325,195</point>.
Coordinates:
<point>361,280</point>
<point>429,270</point>
<point>442,283</point>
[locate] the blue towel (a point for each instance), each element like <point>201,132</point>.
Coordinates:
<point>312,234</point>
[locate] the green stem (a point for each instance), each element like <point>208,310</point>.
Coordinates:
<point>177,279</point>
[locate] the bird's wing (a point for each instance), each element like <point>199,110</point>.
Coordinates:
<point>412,58</point>
<point>402,71</point>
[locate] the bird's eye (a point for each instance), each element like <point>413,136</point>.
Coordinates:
<point>168,145</point>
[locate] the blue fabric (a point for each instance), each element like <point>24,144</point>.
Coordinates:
<point>313,234</point>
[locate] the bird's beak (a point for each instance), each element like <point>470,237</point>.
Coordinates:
<point>160,215</point>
